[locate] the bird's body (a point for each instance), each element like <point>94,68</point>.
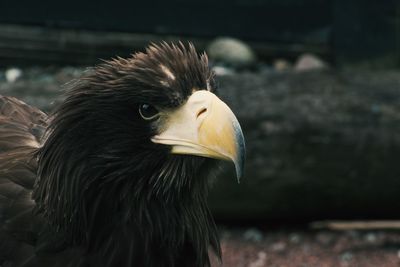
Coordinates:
<point>117,175</point>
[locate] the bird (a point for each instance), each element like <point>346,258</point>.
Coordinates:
<point>118,174</point>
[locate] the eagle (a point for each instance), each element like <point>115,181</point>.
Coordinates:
<point>118,174</point>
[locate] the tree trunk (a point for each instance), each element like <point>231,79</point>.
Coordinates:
<point>320,145</point>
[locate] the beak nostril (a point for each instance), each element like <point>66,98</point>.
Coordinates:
<point>201,111</point>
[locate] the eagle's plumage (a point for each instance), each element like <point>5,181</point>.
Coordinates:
<point>86,186</point>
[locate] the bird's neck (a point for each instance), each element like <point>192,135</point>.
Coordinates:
<point>153,232</point>
<point>127,210</point>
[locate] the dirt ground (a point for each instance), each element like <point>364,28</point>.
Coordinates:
<point>309,248</point>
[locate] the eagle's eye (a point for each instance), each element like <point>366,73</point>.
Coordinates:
<point>148,112</point>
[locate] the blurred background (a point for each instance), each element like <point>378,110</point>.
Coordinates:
<point>314,83</point>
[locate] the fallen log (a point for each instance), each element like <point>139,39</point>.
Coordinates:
<point>30,45</point>
<point>356,225</point>
<point>320,145</point>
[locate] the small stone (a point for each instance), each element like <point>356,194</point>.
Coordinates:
<point>347,256</point>
<point>222,71</point>
<point>231,51</point>
<point>371,237</point>
<point>309,62</point>
<point>294,238</point>
<point>281,65</point>
<point>45,78</point>
<point>13,74</point>
<point>353,234</point>
<point>324,238</point>
<point>253,234</point>
<point>279,247</point>
<point>261,260</point>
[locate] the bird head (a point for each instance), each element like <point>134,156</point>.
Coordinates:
<point>133,135</point>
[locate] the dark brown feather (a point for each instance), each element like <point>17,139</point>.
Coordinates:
<point>104,194</point>
<point>20,129</point>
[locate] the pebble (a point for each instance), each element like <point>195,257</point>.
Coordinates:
<point>282,65</point>
<point>308,62</point>
<point>231,51</point>
<point>353,234</point>
<point>278,247</point>
<point>222,71</point>
<point>253,234</point>
<point>371,237</point>
<point>261,260</point>
<point>13,74</point>
<point>347,256</point>
<point>324,238</point>
<point>294,238</point>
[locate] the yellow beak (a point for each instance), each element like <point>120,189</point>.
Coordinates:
<point>205,126</point>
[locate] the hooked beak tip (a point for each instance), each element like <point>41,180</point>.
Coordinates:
<point>241,154</point>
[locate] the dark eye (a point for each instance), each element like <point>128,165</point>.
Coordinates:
<point>148,112</point>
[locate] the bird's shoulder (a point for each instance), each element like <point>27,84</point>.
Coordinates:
<point>21,128</point>
<point>21,120</point>
<point>21,112</point>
